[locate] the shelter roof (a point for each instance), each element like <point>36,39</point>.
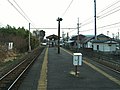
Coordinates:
<point>55,37</point>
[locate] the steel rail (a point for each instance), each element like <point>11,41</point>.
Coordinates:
<point>9,82</point>
<point>15,81</point>
<point>12,70</point>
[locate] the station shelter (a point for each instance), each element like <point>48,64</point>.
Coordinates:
<point>52,40</point>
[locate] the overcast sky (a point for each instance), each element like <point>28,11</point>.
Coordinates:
<point>43,14</point>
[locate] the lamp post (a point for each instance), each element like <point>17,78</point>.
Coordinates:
<point>59,19</point>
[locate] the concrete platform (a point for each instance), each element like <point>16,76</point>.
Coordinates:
<point>61,76</point>
<point>31,81</point>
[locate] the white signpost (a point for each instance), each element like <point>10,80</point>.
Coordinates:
<point>77,60</point>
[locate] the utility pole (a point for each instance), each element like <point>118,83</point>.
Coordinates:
<point>29,39</point>
<point>67,36</point>
<point>59,19</point>
<point>78,40</point>
<point>78,26</point>
<point>118,34</point>
<point>95,26</point>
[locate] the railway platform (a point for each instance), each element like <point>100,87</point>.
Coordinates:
<point>53,71</point>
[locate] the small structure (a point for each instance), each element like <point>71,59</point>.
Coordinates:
<point>77,61</point>
<point>52,40</point>
<point>10,45</point>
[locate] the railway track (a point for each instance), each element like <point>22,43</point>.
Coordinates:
<point>107,60</point>
<point>11,80</point>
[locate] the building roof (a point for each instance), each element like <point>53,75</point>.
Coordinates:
<point>55,37</point>
<point>101,38</point>
<point>76,37</point>
<point>87,39</point>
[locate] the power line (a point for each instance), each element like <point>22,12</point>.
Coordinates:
<point>109,14</point>
<point>109,6</point>
<point>72,30</point>
<point>22,10</point>
<point>24,15</point>
<point>18,11</point>
<point>110,10</point>
<point>103,14</point>
<point>87,23</point>
<point>87,19</point>
<point>113,24</point>
<point>87,30</point>
<point>53,28</point>
<point>67,8</point>
<point>109,25</point>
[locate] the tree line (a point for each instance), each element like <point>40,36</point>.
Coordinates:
<point>19,36</point>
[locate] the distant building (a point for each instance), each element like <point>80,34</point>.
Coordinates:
<point>104,43</point>
<point>78,40</point>
<point>52,40</point>
<point>87,42</point>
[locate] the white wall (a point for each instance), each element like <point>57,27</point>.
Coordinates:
<point>10,45</point>
<point>88,45</point>
<point>104,47</point>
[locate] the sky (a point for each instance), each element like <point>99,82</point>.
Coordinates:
<point>44,13</point>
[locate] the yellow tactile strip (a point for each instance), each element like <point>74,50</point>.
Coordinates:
<point>98,70</point>
<point>42,83</point>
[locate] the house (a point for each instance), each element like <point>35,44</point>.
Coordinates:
<point>86,42</point>
<point>78,40</point>
<point>104,43</point>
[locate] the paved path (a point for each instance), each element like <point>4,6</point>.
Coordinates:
<point>60,76</point>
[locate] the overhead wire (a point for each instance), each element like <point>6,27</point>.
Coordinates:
<point>24,15</point>
<point>109,6</point>
<point>111,12</point>
<point>88,21</point>
<point>109,25</point>
<point>104,15</point>
<point>27,18</point>
<point>101,16</point>
<point>18,10</point>
<point>22,10</point>
<point>105,26</point>
<point>67,8</point>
